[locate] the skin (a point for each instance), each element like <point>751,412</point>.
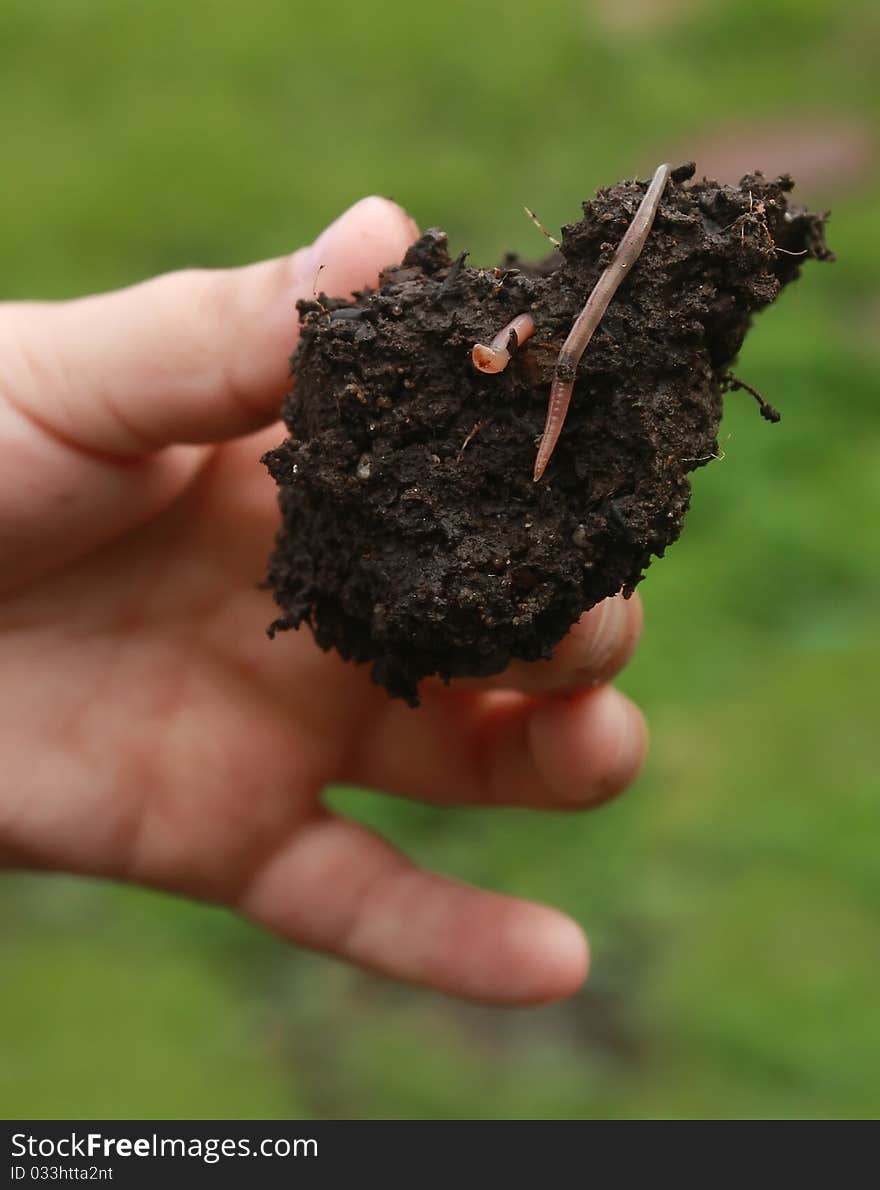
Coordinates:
<point>151,733</point>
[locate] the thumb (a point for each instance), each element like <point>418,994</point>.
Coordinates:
<point>190,357</point>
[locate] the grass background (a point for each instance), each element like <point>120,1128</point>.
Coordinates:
<point>733,898</point>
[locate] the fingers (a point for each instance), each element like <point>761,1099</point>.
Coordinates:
<point>56,505</point>
<point>338,888</point>
<point>504,749</point>
<point>595,649</point>
<point>193,357</point>
<point>562,752</point>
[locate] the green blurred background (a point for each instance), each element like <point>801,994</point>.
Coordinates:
<point>733,898</point>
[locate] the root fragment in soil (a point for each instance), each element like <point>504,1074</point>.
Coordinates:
<point>733,384</point>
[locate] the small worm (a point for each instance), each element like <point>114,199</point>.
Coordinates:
<point>628,251</point>
<point>496,356</point>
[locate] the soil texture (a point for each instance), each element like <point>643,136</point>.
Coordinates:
<point>414,538</point>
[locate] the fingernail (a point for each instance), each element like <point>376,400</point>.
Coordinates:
<point>588,746</point>
<point>626,735</point>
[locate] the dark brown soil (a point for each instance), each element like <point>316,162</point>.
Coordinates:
<point>414,537</point>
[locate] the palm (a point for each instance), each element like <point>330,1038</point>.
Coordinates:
<point>221,740</point>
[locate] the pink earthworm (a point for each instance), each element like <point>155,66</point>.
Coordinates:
<point>496,356</point>
<point>585,324</point>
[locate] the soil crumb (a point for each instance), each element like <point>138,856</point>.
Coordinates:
<point>413,535</point>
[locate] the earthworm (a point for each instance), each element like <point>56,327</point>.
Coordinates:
<point>589,318</point>
<point>496,356</point>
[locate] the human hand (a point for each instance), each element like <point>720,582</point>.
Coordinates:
<point>150,731</point>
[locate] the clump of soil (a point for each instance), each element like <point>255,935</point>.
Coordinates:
<point>413,534</point>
